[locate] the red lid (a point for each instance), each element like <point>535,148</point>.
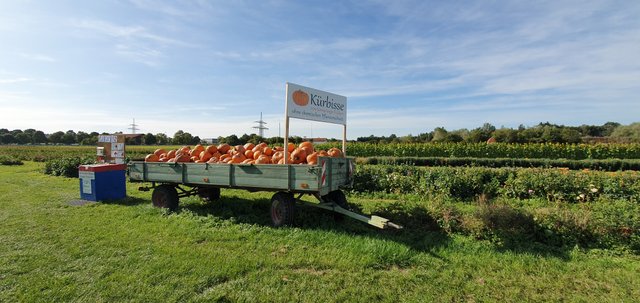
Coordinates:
<point>102,167</point>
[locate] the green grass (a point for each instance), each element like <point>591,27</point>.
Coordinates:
<point>127,250</point>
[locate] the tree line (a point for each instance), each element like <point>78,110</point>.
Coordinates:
<point>70,137</point>
<point>541,133</point>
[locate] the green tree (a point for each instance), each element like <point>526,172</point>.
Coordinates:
<point>232,140</point>
<point>56,137</point>
<point>182,138</point>
<point>90,141</point>
<point>69,137</point>
<point>162,139</point>
<point>150,139</point>
<point>439,134</point>
<point>81,136</point>
<point>39,137</point>
<point>7,138</point>
<point>630,132</point>
<point>570,135</point>
<point>506,135</point>
<point>23,138</point>
<point>244,138</point>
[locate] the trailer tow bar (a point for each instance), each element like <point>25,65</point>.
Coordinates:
<point>376,221</point>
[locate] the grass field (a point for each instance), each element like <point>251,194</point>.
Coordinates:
<point>51,251</point>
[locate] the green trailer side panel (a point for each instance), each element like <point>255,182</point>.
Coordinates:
<point>164,172</point>
<point>305,177</point>
<point>338,174</point>
<point>207,174</point>
<point>262,176</point>
<point>299,178</point>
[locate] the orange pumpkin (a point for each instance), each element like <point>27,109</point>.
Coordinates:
<point>239,149</point>
<point>183,158</point>
<point>159,152</point>
<point>263,160</point>
<point>298,156</point>
<point>267,151</point>
<point>171,154</point>
<point>248,154</point>
<point>197,150</point>
<point>307,146</point>
<point>238,158</point>
<point>259,147</point>
<point>205,156</point>
<point>306,143</point>
<point>291,147</point>
<point>257,154</point>
<point>249,146</point>
<point>212,149</point>
<point>281,161</point>
<point>151,158</point>
<point>277,156</point>
<point>224,148</point>
<point>335,153</point>
<point>312,159</point>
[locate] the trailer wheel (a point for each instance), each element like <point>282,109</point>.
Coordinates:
<point>282,209</point>
<point>338,197</point>
<point>209,193</point>
<point>165,196</point>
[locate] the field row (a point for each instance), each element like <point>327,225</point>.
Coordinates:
<point>593,164</point>
<point>557,185</point>
<point>497,150</point>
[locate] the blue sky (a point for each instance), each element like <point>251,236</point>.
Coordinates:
<point>211,67</point>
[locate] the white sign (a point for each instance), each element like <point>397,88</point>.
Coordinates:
<point>312,104</point>
<point>107,138</point>
<point>117,146</point>
<point>86,177</point>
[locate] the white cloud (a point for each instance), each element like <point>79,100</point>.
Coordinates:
<point>14,80</point>
<point>38,57</point>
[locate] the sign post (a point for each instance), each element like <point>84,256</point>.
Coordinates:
<point>111,148</point>
<point>311,104</point>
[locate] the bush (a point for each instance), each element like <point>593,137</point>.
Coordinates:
<point>605,165</point>
<point>479,182</point>
<point>497,150</point>
<point>66,167</point>
<point>603,223</point>
<point>4,160</point>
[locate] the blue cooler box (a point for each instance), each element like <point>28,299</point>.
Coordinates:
<point>99,182</point>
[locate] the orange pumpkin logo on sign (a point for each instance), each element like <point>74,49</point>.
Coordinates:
<point>300,98</point>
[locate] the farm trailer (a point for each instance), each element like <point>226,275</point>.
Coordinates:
<point>290,182</point>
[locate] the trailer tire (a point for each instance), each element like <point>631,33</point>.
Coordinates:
<point>209,194</point>
<point>282,209</point>
<point>338,197</point>
<point>165,196</point>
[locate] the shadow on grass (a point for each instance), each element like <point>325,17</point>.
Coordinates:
<point>421,231</point>
<point>127,201</point>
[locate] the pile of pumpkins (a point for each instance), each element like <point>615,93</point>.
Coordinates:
<point>245,154</point>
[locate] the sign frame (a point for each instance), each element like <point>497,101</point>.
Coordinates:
<point>331,99</point>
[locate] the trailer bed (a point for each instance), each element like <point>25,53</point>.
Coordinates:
<point>330,174</point>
